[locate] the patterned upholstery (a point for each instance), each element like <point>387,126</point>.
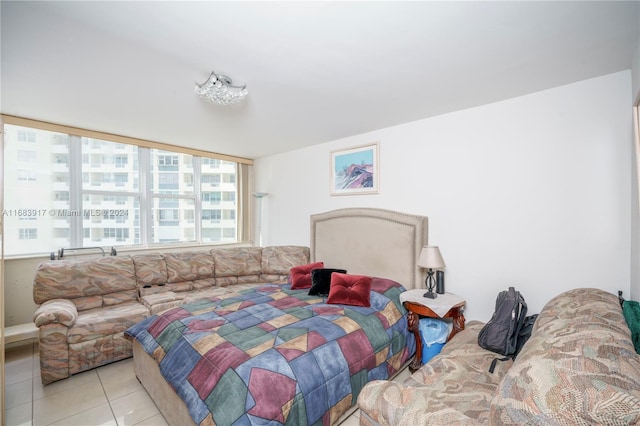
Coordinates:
<point>86,305</point>
<point>280,259</point>
<point>56,311</point>
<point>454,387</point>
<point>578,367</point>
<point>101,322</point>
<point>189,266</point>
<point>70,279</point>
<point>233,262</point>
<point>151,269</point>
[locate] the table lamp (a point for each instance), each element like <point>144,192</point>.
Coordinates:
<point>430,259</point>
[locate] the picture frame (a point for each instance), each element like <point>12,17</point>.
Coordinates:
<point>355,171</point>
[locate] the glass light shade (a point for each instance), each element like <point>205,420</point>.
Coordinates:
<point>430,258</point>
<point>218,90</point>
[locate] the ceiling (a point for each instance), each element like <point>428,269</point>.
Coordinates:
<point>315,71</point>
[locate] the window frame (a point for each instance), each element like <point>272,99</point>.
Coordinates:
<point>201,157</point>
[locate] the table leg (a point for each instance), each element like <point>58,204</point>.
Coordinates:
<point>413,322</point>
<point>458,323</point>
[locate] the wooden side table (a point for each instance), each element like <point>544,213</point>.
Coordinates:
<point>446,305</point>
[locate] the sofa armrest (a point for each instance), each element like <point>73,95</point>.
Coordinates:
<point>56,311</point>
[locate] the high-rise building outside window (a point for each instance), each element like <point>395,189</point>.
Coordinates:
<point>76,191</point>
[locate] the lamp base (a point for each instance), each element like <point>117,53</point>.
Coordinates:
<point>430,295</point>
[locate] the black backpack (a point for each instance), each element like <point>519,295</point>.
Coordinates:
<point>509,327</point>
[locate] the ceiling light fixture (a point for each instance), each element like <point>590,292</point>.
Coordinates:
<point>218,90</point>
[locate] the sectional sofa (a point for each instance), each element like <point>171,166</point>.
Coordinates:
<point>86,305</point>
<point>579,367</point>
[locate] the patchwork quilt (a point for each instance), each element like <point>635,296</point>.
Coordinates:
<point>275,355</point>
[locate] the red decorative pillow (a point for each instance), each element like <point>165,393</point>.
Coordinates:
<point>301,275</point>
<point>350,290</point>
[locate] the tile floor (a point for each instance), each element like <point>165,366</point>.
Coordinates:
<point>106,396</point>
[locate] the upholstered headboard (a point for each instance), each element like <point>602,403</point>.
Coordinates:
<point>374,242</point>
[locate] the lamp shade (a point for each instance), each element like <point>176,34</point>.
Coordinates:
<point>430,258</point>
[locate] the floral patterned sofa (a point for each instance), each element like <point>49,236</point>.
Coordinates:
<point>579,367</point>
<point>86,305</point>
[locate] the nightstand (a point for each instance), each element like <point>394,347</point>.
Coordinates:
<point>446,305</point>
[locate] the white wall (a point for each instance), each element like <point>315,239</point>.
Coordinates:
<point>635,200</point>
<point>532,192</point>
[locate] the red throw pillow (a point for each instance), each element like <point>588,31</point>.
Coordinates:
<point>350,290</point>
<point>301,275</point>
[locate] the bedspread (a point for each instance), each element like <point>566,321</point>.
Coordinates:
<point>276,355</point>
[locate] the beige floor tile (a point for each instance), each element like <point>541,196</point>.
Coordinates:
<point>18,416</point>
<point>18,352</point>
<point>133,408</point>
<point>41,391</point>
<point>100,415</point>
<point>352,420</point>
<point>402,376</point>
<point>18,364</point>
<point>119,379</point>
<point>18,393</point>
<point>77,396</point>
<point>154,421</point>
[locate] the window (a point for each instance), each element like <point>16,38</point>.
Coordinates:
<point>212,197</point>
<point>26,136</point>
<point>168,215</point>
<point>61,196</point>
<point>168,181</point>
<point>214,180</point>
<point>121,179</point>
<point>126,194</point>
<point>120,160</point>
<point>28,233</point>
<point>26,175</point>
<point>26,156</point>
<point>167,160</point>
<point>211,162</point>
<point>211,215</point>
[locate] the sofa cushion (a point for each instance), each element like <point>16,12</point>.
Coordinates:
<point>202,284</point>
<point>160,302</point>
<point>236,261</point>
<point>100,322</point>
<point>69,279</point>
<point>454,387</point>
<point>89,302</point>
<point>195,296</point>
<point>118,297</point>
<point>279,260</point>
<point>578,367</point>
<point>189,266</point>
<point>150,269</point>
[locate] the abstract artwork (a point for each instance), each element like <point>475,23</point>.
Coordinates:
<point>355,170</point>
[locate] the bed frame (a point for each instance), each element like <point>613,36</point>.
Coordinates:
<point>374,242</point>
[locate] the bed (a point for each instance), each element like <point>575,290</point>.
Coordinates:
<point>275,355</point>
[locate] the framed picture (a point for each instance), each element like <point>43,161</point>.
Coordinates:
<point>355,170</point>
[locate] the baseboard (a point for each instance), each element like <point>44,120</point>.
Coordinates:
<point>17,333</point>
